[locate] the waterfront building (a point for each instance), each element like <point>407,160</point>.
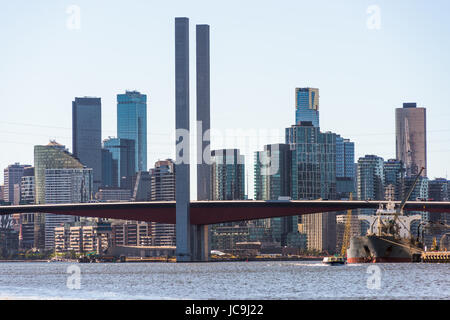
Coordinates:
<point>132,233</point>
<point>82,237</point>
<point>132,125</point>
<point>307,105</point>
<point>122,161</point>
<point>87,135</point>
<point>411,138</point>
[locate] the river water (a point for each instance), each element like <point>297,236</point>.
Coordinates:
<point>223,280</point>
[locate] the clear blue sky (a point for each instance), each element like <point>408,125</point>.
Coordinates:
<point>260,51</point>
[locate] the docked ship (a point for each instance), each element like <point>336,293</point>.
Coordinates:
<point>389,237</point>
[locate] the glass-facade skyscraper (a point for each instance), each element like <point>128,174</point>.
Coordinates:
<point>123,164</point>
<point>370,178</point>
<point>132,124</point>
<point>307,105</point>
<point>227,175</point>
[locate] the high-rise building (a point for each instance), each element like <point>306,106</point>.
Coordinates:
<point>73,185</point>
<point>273,180</point>
<point>51,156</point>
<point>107,168</point>
<point>411,138</point>
<point>314,177</point>
<point>13,176</point>
<point>123,162</point>
<point>87,135</point>
<point>27,190</point>
<point>163,189</point>
<point>307,105</point>
<point>370,178</point>
<point>227,175</point>
<point>345,167</point>
<point>394,175</point>
<point>132,124</point>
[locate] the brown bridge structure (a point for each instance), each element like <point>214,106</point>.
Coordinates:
<point>213,212</point>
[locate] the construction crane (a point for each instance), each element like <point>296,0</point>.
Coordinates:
<point>347,231</point>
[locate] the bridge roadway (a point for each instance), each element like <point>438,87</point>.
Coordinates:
<point>212,212</point>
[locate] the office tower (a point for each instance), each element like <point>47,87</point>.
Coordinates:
<point>132,124</point>
<point>304,141</point>
<point>345,167</point>
<point>27,189</point>
<point>370,178</point>
<point>394,175</point>
<point>12,176</point>
<point>87,135</point>
<point>273,179</point>
<point>142,190</point>
<point>227,175</point>
<point>2,188</point>
<point>74,185</point>
<point>163,189</point>
<point>203,113</point>
<point>107,168</point>
<point>314,177</point>
<point>411,138</point>
<point>123,161</point>
<point>51,156</point>
<point>307,105</point>
<point>183,227</point>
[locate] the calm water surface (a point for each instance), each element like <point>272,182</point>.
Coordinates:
<point>234,280</point>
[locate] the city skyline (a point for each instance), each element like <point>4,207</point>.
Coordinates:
<point>380,141</point>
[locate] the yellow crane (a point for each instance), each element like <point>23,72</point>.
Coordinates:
<point>348,225</point>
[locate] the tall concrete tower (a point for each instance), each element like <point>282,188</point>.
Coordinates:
<point>182,193</point>
<point>200,234</point>
<point>203,114</point>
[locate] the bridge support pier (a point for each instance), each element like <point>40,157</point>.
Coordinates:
<point>200,243</point>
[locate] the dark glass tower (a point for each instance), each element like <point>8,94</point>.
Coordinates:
<point>87,135</point>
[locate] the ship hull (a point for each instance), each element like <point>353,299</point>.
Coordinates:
<point>374,249</point>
